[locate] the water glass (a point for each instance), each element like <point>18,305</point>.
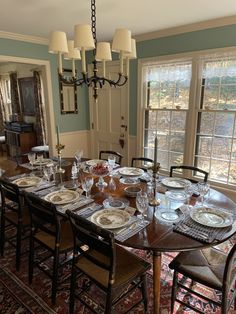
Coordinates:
<point>111,161</point>
<point>47,173</point>
<point>31,157</point>
<point>142,204</point>
<point>87,184</point>
<point>189,192</point>
<point>78,156</point>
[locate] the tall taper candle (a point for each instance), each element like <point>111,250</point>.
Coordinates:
<point>58,140</point>
<point>155,151</point>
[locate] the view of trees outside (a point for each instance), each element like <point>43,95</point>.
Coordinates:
<point>165,116</point>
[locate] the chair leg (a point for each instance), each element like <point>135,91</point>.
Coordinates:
<point>108,302</point>
<point>224,303</point>
<point>72,289</point>
<point>18,246</point>
<point>2,236</point>
<point>31,258</point>
<point>144,292</point>
<point>55,276</point>
<point>174,290</point>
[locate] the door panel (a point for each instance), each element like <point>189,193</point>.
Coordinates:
<point>108,115</point>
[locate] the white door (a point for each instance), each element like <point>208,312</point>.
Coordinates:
<point>109,117</point>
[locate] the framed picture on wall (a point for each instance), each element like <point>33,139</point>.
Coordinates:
<point>26,86</point>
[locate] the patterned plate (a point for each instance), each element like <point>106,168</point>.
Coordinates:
<point>120,203</point>
<point>111,218</point>
<point>131,172</point>
<point>43,162</point>
<point>26,182</point>
<point>175,183</point>
<point>93,162</point>
<point>62,197</point>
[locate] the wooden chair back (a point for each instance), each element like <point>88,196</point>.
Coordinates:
<point>103,154</point>
<point>192,168</point>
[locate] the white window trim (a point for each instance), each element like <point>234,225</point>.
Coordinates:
<point>191,123</point>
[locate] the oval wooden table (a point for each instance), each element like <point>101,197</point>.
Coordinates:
<point>156,237</point>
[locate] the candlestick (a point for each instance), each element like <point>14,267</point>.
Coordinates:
<point>155,151</point>
<point>58,140</point>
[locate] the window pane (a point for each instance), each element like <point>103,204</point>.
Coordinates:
<point>211,94</point>
<point>221,147</point>
<point>150,120</point>
<point>203,163</point>
<point>232,174</point>
<point>177,142</point>
<point>207,122</point>
<point>227,97</point>
<point>178,121</point>
<point>204,146</point>
<point>219,170</point>
<point>224,124</point>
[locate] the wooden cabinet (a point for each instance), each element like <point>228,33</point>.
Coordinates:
<point>19,144</point>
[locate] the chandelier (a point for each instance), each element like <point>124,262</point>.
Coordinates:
<point>85,39</point>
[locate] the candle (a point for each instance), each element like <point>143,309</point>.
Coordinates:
<point>58,140</point>
<point>155,151</point>
<point>83,60</point>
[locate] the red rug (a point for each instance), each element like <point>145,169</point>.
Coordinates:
<point>17,296</point>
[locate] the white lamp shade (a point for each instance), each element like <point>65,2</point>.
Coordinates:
<point>58,42</point>
<point>73,53</point>
<point>84,37</point>
<point>122,40</point>
<point>103,51</point>
<point>133,53</point>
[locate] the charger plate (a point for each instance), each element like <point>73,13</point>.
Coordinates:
<point>175,183</point>
<point>62,197</point>
<point>111,218</point>
<point>211,217</point>
<point>26,182</point>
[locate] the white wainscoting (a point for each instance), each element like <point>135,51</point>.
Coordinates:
<point>132,148</point>
<point>74,141</point>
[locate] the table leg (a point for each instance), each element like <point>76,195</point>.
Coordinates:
<point>156,281</point>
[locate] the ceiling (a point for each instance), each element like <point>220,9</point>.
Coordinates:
<point>38,18</point>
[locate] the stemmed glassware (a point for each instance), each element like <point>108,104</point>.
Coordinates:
<point>87,184</point>
<point>142,204</point>
<point>78,156</point>
<point>203,189</point>
<point>47,173</point>
<point>189,192</point>
<point>111,163</point>
<point>31,157</point>
<point>74,174</point>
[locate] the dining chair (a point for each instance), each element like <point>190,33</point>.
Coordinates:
<point>142,162</point>
<point>209,267</point>
<point>194,171</point>
<point>53,233</point>
<point>103,154</point>
<point>109,266</point>
<point>14,217</point>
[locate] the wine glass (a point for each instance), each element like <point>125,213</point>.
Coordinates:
<point>87,184</point>
<point>31,157</point>
<point>47,173</point>
<point>78,156</point>
<point>203,189</point>
<point>142,204</point>
<point>189,192</point>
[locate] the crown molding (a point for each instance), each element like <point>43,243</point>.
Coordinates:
<point>218,22</point>
<point>26,38</point>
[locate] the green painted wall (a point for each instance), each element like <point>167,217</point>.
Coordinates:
<point>68,122</point>
<point>192,41</point>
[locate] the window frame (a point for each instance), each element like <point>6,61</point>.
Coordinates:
<point>197,58</point>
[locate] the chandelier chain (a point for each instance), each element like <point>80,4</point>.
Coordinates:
<point>93,20</point>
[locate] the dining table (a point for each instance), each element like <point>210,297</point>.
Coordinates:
<point>156,237</point>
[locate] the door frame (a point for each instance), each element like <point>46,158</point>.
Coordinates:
<point>91,113</point>
<point>47,84</point>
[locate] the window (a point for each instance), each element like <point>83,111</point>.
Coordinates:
<point>192,112</point>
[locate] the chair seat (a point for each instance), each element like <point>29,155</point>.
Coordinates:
<point>128,267</point>
<point>205,266</point>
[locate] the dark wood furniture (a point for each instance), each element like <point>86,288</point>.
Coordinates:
<point>103,154</point>
<point>52,233</point>
<point>19,144</point>
<point>144,162</point>
<point>114,269</point>
<point>211,268</point>
<point>14,215</point>
<point>193,170</point>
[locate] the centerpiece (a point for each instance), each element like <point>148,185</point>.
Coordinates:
<point>100,170</point>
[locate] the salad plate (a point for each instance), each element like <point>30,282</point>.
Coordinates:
<point>62,197</point>
<point>111,218</point>
<point>27,181</point>
<point>119,203</point>
<point>211,217</point>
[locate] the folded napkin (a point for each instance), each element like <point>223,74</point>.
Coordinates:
<point>82,201</point>
<point>189,227</point>
<point>87,211</point>
<point>135,225</point>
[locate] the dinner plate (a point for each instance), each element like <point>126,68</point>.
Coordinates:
<point>111,218</point>
<point>175,183</point>
<point>131,172</point>
<point>211,217</point>
<point>119,203</point>
<point>43,162</point>
<point>129,181</point>
<point>93,162</point>
<point>62,197</point>
<point>27,181</point>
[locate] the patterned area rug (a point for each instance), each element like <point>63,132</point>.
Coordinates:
<point>17,296</point>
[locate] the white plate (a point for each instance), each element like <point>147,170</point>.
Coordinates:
<point>93,162</point>
<point>43,162</point>
<point>62,197</point>
<point>27,181</point>
<point>175,183</point>
<point>131,172</point>
<point>129,181</point>
<point>176,196</point>
<point>111,218</point>
<point>211,217</point>
<point>119,203</point>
